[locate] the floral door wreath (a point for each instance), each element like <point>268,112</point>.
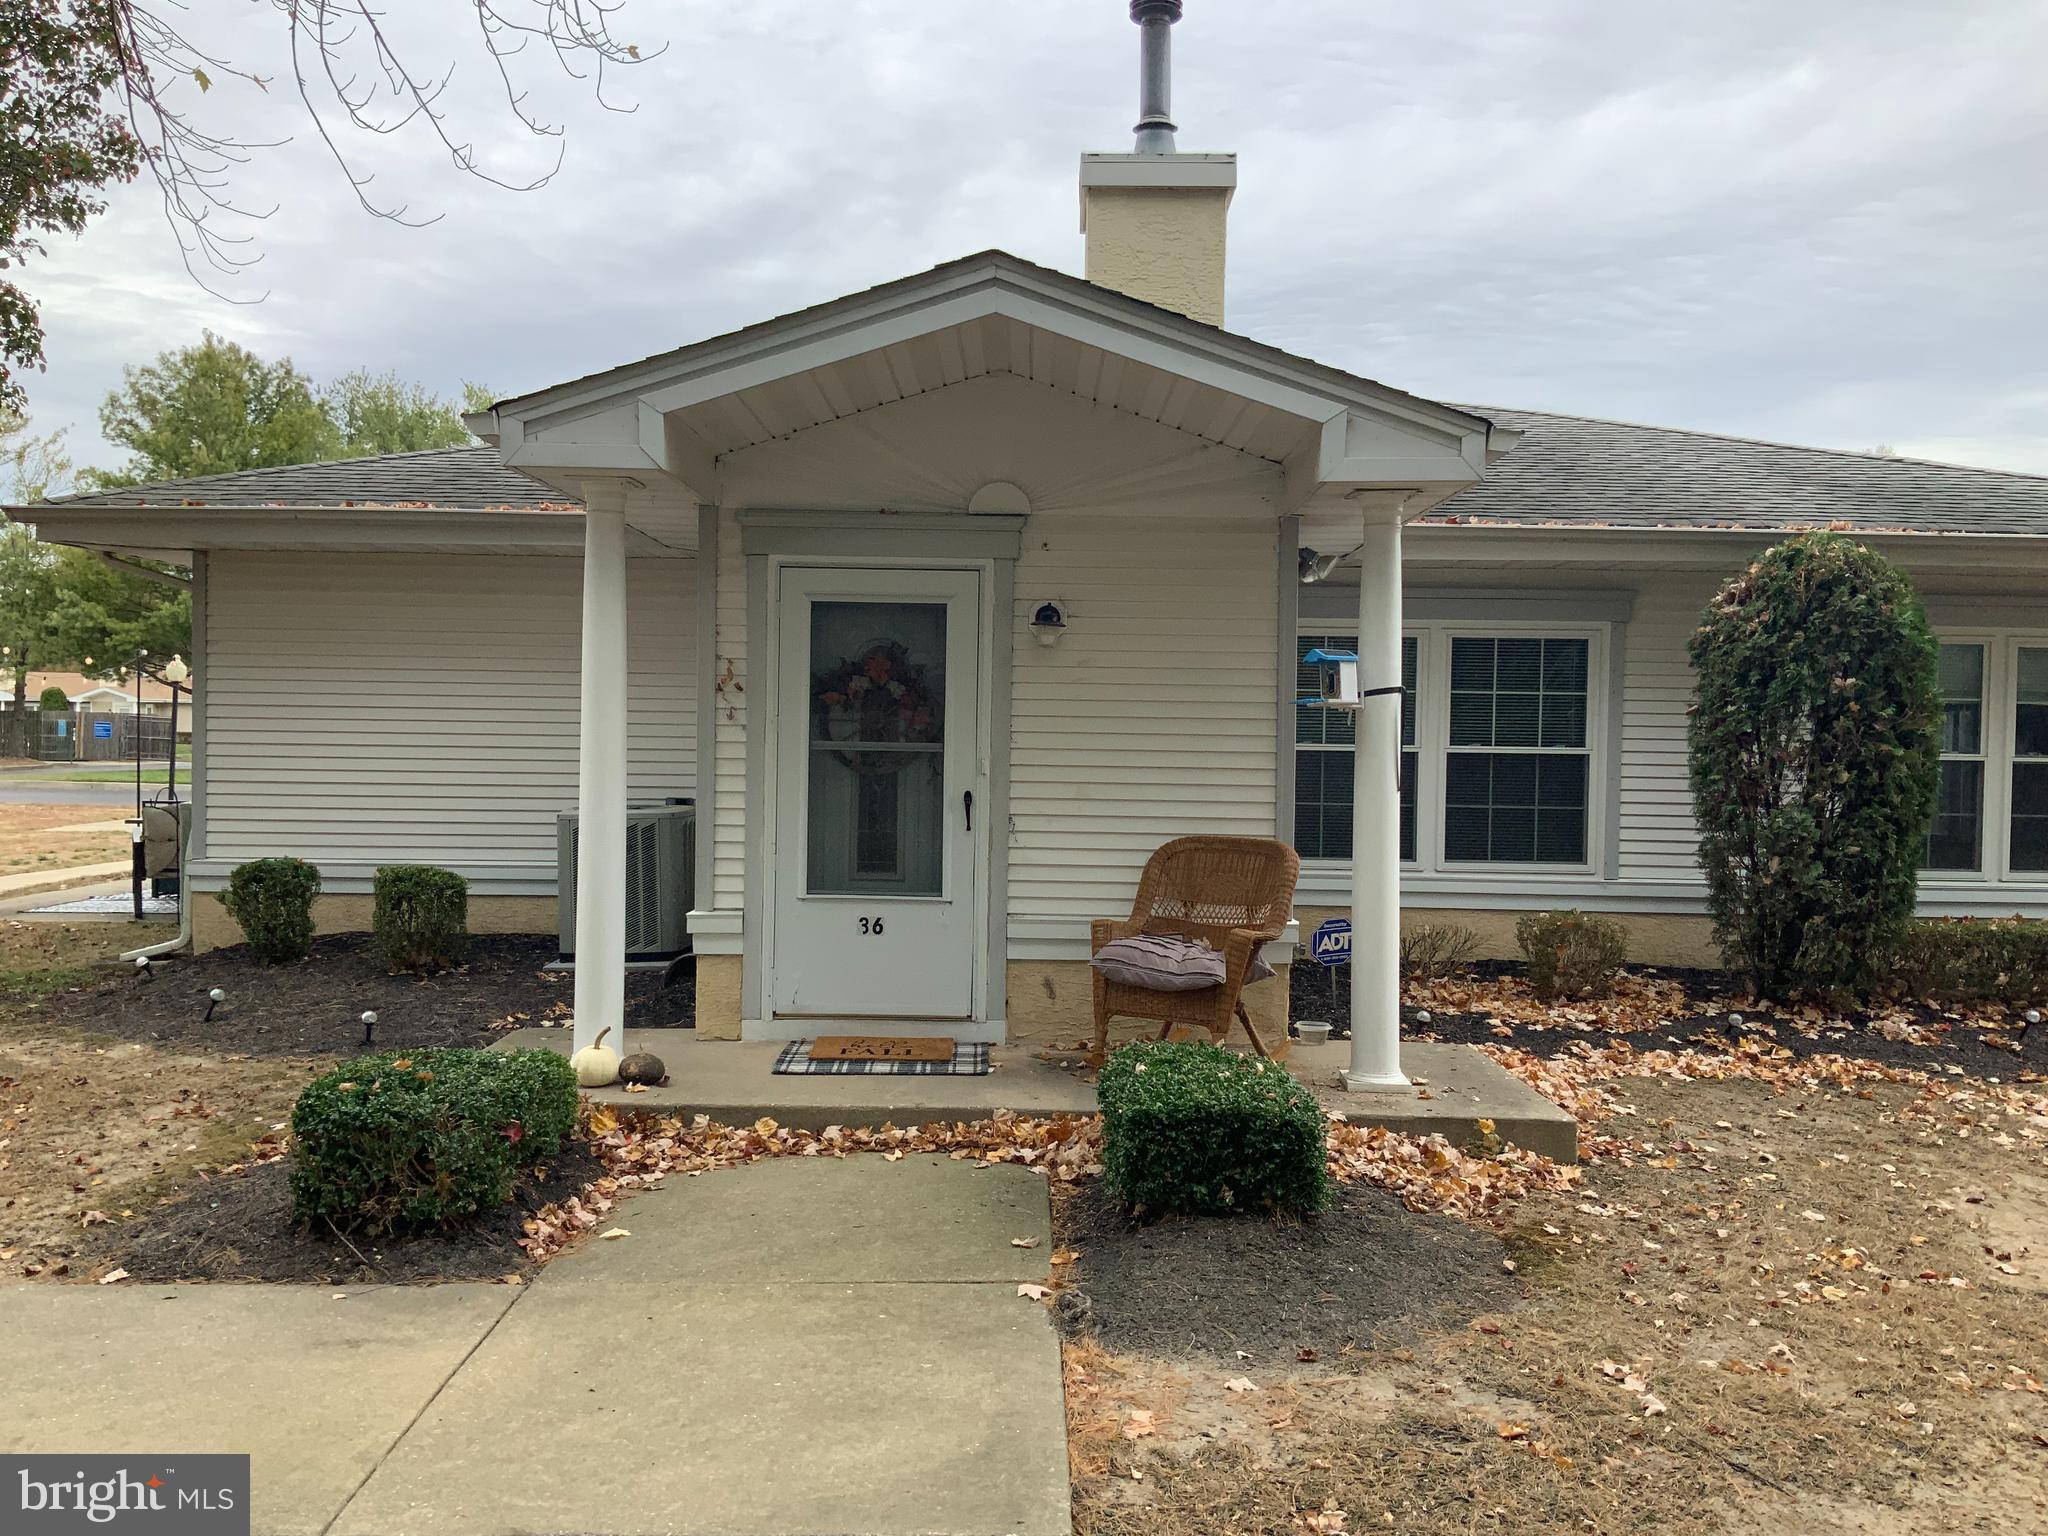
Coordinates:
<point>879,695</point>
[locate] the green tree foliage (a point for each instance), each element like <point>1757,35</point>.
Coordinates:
<point>60,148</point>
<point>215,406</point>
<point>102,619</point>
<point>381,413</point>
<point>53,699</point>
<point>29,641</point>
<point>1814,757</point>
<point>33,464</point>
<point>211,408</point>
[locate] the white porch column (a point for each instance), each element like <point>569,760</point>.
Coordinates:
<point>1376,806</point>
<point>601,773</point>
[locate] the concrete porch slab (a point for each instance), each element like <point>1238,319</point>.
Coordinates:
<point>315,1390</point>
<point>733,1082</point>
<point>1464,1088</point>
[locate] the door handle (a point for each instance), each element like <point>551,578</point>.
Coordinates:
<point>967,798</point>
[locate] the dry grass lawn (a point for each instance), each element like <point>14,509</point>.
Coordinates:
<point>1805,1312</point>
<point>33,838</point>
<point>93,1129</point>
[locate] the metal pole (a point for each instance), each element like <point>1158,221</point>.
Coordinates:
<point>136,853</point>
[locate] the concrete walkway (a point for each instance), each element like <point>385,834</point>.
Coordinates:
<point>800,1348</point>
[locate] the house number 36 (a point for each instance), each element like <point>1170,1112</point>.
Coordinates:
<point>871,926</point>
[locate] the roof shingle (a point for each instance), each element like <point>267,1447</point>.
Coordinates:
<point>1584,472</point>
<point>463,479</point>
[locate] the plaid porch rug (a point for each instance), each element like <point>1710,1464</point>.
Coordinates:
<point>969,1060</point>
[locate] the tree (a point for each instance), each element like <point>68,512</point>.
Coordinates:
<point>1815,749</point>
<point>380,413</point>
<point>95,92</point>
<point>214,407</point>
<point>102,619</point>
<point>29,641</point>
<point>211,408</point>
<point>61,146</point>
<point>34,464</point>
<point>53,700</point>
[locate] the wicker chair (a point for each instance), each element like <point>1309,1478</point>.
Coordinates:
<point>1233,893</point>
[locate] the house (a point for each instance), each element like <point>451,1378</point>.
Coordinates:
<point>116,696</point>
<point>948,601</point>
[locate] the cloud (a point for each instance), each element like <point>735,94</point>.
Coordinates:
<point>1818,223</point>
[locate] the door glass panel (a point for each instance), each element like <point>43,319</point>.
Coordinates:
<point>875,822</point>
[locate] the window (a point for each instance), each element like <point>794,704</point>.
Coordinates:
<point>1955,841</point>
<point>1326,755</point>
<point>1521,800</point>
<point>2029,845</point>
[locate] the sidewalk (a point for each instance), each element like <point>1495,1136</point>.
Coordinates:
<point>800,1348</point>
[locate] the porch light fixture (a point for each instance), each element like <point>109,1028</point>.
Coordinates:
<point>1314,566</point>
<point>1049,622</point>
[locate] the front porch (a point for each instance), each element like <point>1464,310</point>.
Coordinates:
<point>733,1083</point>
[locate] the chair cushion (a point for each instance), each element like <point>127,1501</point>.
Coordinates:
<point>1160,962</point>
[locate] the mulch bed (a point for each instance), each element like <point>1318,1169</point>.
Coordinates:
<point>239,1227</point>
<point>313,1007</point>
<point>1960,1044</point>
<point>1269,1292</point>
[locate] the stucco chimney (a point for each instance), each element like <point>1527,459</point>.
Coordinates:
<point>1155,218</point>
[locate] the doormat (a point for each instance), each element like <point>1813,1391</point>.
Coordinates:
<point>964,1060</point>
<point>882,1048</point>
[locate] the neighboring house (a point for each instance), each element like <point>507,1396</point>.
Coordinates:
<point>701,574</point>
<point>112,697</point>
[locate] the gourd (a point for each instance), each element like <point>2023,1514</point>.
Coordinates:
<point>597,1063</point>
<point>642,1067</point>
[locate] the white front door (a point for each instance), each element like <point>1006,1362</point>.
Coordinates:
<point>877,837</point>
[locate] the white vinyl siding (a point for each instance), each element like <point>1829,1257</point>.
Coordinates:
<point>1655,835</point>
<point>1153,717</point>
<point>365,709</point>
<point>729,709</point>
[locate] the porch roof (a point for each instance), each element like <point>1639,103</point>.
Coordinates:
<point>680,415</point>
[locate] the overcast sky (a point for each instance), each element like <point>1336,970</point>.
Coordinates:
<point>1821,222</point>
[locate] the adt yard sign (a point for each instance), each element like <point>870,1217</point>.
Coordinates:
<point>1331,943</point>
<point>103,730</point>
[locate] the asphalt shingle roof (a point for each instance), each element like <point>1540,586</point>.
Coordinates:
<point>1567,471</point>
<point>1580,471</point>
<point>466,479</point>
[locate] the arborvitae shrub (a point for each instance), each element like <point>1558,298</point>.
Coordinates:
<point>1815,748</point>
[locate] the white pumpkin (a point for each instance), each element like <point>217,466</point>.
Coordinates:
<point>597,1064</point>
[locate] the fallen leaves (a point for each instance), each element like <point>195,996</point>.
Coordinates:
<point>1033,1292</point>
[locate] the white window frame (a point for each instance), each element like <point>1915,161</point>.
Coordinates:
<point>1433,732</point>
<point>2001,704</point>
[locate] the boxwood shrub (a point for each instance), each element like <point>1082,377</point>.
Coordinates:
<point>1571,954</point>
<point>272,900</point>
<point>1974,960</point>
<point>405,1140</point>
<point>421,917</point>
<point>1189,1127</point>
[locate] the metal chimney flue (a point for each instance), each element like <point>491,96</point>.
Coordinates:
<point>1155,18</point>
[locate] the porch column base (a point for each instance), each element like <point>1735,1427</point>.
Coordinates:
<point>1373,1082</point>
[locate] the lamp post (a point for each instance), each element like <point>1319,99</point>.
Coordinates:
<point>175,673</point>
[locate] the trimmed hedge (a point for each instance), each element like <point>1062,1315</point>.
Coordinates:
<point>1974,960</point>
<point>421,917</point>
<point>405,1140</point>
<point>1190,1127</point>
<point>53,701</point>
<point>1571,954</point>
<point>1815,748</point>
<point>272,900</point>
